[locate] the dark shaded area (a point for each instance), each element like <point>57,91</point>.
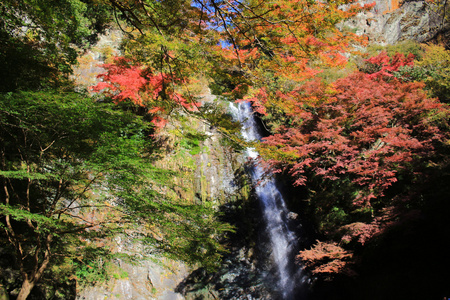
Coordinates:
<point>39,40</point>
<point>410,260</point>
<point>24,65</point>
<point>247,271</point>
<point>243,270</point>
<point>48,288</point>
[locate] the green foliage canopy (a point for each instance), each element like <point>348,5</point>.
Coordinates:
<point>38,39</point>
<point>76,170</point>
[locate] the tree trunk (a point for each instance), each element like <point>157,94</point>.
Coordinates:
<point>28,284</point>
<point>25,290</point>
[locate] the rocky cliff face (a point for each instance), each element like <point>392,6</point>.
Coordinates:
<point>150,277</point>
<point>196,151</point>
<point>391,21</point>
<point>206,173</point>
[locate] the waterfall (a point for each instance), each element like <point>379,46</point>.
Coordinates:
<point>275,212</point>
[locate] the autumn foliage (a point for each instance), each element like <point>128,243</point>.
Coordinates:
<point>357,147</point>
<point>359,128</point>
<point>326,258</point>
<point>284,36</point>
<point>384,66</point>
<point>125,80</point>
<point>350,143</point>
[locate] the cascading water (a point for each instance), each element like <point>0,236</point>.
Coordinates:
<point>275,213</point>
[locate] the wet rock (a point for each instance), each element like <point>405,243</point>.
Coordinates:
<point>292,215</point>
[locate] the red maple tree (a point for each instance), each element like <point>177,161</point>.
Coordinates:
<point>361,127</point>
<point>125,80</point>
<point>385,65</point>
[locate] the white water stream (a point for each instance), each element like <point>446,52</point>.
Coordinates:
<point>274,208</point>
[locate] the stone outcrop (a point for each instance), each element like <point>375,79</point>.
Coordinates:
<point>149,278</point>
<point>207,168</point>
<point>391,21</point>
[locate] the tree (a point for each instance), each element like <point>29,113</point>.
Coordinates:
<point>326,258</point>
<point>39,40</point>
<point>365,129</point>
<point>48,175</point>
<point>152,91</point>
<point>282,40</point>
<point>243,47</point>
<point>72,171</point>
<point>351,143</point>
<point>433,68</point>
<point>58,148</point>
